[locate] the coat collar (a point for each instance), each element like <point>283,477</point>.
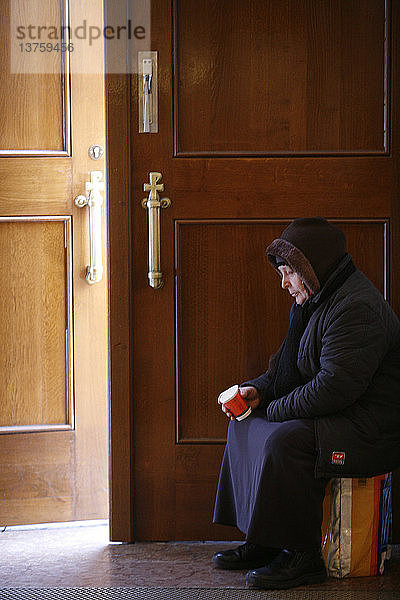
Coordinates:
<point>344,269</point>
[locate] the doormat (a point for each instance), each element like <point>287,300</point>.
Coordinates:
<point>147,593</point>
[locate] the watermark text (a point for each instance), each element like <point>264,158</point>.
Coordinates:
<point>84,31</point>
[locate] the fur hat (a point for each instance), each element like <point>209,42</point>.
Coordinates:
<point>312,247</point>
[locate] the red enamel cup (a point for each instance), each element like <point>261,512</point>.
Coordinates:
<point>234,402</point>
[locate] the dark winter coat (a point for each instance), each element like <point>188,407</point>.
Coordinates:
<point>349,356</point>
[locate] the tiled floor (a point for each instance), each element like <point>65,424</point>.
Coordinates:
<point>83,557</point>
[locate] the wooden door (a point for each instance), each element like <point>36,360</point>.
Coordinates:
<point>267,111</point>
<point>53,325</point>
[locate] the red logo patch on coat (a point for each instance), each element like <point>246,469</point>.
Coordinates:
<point>338,458</point>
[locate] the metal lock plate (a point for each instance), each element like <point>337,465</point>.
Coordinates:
<point>96,151</point>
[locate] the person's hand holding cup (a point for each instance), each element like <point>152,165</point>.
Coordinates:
<point>238,402</point>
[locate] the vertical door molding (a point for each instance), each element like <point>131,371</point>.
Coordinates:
<point>120,286</point>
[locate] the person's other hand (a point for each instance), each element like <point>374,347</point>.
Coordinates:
<point>251,395</point>
<point>248,393</point>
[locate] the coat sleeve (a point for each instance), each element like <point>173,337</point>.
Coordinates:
<point>352,348</point>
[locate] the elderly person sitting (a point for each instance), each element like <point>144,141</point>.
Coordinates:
<point>328,406</point>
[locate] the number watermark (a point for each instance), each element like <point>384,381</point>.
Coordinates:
<point>46,47</point>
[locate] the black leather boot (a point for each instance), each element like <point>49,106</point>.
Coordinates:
<point>289,569</point>
<point>246,556</point>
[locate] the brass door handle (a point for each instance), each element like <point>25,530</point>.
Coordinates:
<point>94,200</point>
<point>153,205</point>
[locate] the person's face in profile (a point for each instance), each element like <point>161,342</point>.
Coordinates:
<point>291,282</point>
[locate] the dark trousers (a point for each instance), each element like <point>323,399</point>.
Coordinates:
<point>267,486</point>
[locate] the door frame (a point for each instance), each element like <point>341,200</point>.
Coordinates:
<point>120,306</point>
<point>119,130</point>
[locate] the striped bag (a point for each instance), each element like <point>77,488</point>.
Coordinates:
<point>357,526</point>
